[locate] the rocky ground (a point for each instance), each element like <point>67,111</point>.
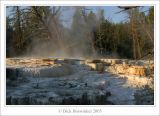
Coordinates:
<point>73,82</point>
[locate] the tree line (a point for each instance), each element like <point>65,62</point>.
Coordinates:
<point>38,30</point>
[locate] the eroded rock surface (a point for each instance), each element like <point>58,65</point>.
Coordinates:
<point>71,81</point>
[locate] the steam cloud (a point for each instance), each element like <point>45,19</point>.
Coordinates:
<point>74,41</point>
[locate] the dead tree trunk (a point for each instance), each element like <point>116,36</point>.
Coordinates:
<point>135,38</point>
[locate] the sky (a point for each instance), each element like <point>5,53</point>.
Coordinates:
<point>110,12</point>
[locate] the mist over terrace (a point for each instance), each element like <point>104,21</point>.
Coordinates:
<point>81,55</point>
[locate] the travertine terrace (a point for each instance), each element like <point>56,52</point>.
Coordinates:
<point>52,81</point>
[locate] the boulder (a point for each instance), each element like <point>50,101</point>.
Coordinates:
<point>99,67</point>
<point>91,65</point>
<point>96,66</point>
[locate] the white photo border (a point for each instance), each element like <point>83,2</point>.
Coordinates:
<point>51,110</point>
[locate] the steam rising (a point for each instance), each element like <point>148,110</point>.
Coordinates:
<point>61,41</point>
